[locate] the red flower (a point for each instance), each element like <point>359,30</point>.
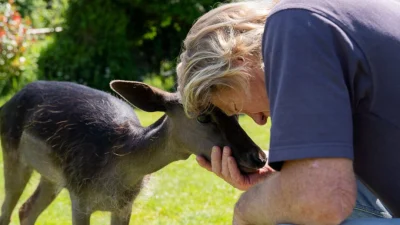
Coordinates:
<point>16,17</point>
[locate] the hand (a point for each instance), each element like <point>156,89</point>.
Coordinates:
<point>225,166</point>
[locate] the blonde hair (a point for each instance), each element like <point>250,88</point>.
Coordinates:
<point>212,48</point>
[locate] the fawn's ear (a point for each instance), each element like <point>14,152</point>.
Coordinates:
<point>143,96</point>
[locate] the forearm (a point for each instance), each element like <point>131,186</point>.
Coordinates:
<point>304,192</point>
<point>263,203</point>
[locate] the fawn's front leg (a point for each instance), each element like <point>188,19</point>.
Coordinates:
<point>123,215</point>
<point>118,219</point>
<point>80,211</point>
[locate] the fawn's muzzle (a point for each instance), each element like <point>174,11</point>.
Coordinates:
<point>252,162</point>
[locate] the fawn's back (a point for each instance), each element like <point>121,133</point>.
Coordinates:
<point>68,132</point>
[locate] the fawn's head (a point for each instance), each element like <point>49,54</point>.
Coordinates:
<point>194,135</point>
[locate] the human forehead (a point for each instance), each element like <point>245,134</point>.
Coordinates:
<point>228,101</point>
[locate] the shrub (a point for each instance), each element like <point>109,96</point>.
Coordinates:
<point>13,44</point>
<point>43,13</point>
<point>92,48</point>
<point>120,39</point>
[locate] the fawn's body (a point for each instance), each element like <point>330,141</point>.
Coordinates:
<point>93,144</point>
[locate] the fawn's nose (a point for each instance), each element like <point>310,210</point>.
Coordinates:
<point>258,159</point>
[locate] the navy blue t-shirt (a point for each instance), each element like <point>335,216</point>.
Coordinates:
<point>333,78</point>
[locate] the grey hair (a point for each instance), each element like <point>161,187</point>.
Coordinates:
<point>212,48</point>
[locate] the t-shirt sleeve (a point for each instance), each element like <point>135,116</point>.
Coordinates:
<point>306,59</point>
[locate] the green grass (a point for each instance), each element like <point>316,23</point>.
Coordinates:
<point>181,193</point>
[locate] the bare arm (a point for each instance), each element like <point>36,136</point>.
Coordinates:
<point>311,191</point>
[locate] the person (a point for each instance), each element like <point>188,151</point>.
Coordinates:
<point>328,75</point>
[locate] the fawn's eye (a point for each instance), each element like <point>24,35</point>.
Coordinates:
<point>205,118</point>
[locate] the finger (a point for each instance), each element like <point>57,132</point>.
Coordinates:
<point>225,155</point>
<point>236,175</point>
<point>203,163</point>
<point>266,169</point>
<point>216,160</point>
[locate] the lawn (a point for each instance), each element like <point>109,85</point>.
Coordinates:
<point>181,193</point>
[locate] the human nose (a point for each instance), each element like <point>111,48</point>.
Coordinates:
<point>259,118</point>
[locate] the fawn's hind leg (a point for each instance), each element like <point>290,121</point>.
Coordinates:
<point>44,194</point>
<point>16,176</point>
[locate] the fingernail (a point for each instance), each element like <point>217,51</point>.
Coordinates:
<point>227,149</point>
<point>214,148</point>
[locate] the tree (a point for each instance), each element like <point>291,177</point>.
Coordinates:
<point>119,39</point>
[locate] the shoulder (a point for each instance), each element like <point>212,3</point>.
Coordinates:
<point>304,28</point>
<point>349,15</point>
<point>298,12</point>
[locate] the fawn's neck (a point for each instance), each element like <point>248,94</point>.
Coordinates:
<point>155,148</point>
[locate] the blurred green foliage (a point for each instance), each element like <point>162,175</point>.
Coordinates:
<point>20,50</point>
<point>42,13</point>
<point>101,40</point>
<point>120,39</point>
<point>13,44</point>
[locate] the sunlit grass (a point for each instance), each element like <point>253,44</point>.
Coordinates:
<point>181,193</point>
